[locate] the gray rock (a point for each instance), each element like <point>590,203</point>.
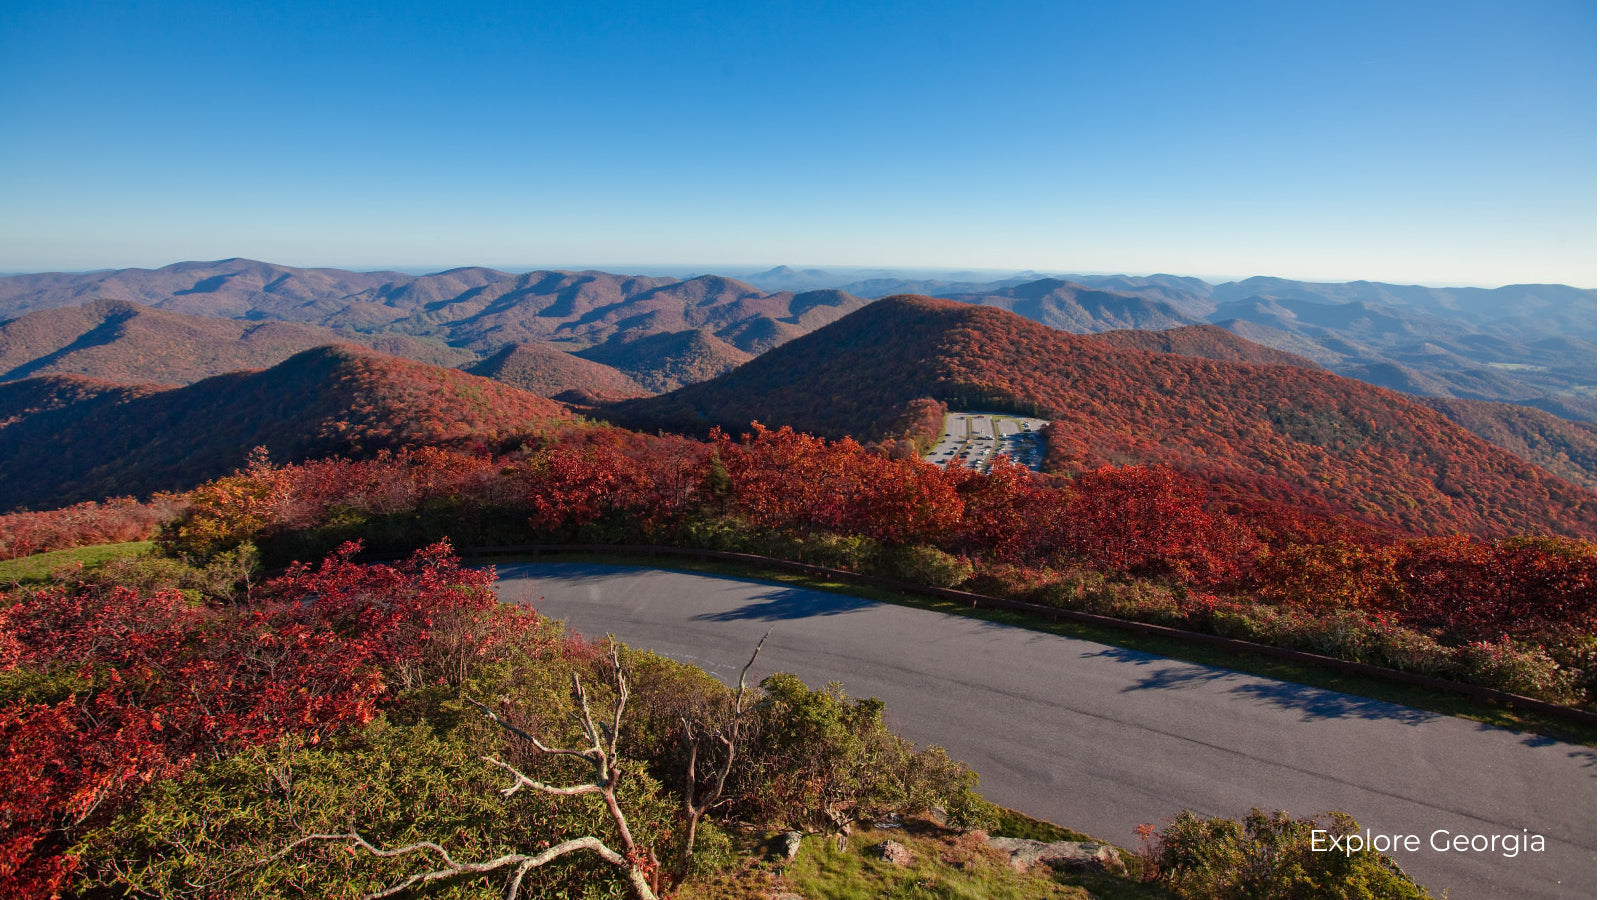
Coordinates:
<point>1061,855</point>
<point>791,844</point>
<point>892,852</point>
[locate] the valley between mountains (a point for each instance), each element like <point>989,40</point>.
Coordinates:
<point>1390,475</point>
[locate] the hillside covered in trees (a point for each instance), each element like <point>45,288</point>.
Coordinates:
<point>66,438</point>
<point>120,340</point>
<point>549,371</point>
<point>1254,432</point>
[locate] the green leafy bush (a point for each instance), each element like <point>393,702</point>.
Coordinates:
<point>218,830</point>
<point>823,760</point>
<point>924,565</point>
<point>1269,856</point>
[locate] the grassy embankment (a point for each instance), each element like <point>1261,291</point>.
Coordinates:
<point>37,568</point>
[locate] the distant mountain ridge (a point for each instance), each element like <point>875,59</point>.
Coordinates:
<point>124,341</point>
<point>1281,432</point>
<point>668,361</point>
<point>1526,344</point>
<point>551,372</point>
<point>475,309</point>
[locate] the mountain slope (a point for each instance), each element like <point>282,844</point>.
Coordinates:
<point>1077,308</point>
<point>1254,432</point>
<point>124,341</point>
<point>1562,446</point>
<point>664,362</point>
<point>546,371</point>
<point>1205,342</point>
<point>66,439</point>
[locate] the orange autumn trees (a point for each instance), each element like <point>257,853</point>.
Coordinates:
<point>1139,541</point>
<point>786,480</point>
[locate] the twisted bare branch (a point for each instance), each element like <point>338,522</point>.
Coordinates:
<point>601,753</point>
<point>450,868</point>
<point>726,734</point>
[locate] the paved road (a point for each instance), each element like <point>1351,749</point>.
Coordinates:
<point>1100,738</point>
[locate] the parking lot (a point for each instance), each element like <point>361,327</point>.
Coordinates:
<point>975,439</point>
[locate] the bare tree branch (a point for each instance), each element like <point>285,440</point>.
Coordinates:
<point>728,736</point>
<point>523,781</point>
<point>450,868</point>
<point>601,753</point>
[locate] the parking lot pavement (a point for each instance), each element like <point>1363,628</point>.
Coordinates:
<point>975,439</point>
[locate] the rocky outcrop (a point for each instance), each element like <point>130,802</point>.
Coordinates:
<point>1060,855</point>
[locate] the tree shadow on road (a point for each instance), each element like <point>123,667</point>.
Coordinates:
<point>790,603</point>
<point>1320,703</point>
<point>1312,702</point>
<point>1167,672</point>
<point>1584,755</point>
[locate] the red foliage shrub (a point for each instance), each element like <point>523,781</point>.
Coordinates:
<point>789,481</point>
<point>1485,589</point>
<point>159,680</point>
<point>1150,520</point>
<point>112,521</point>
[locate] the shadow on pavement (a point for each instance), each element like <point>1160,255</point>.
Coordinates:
<point>1171,673</point>
<point>1314,703</point>
<point>790,603</point>
<point>1586,755</point>
<point>1320,703</point>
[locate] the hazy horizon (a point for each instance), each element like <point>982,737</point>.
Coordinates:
<point>1428,143</point>
<point>739,271</point>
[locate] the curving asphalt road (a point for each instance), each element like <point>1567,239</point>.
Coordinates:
<point>1101,738</point>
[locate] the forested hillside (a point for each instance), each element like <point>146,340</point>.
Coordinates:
<point>67,439</point>
<point>548,371</point>
<point>124,341</point>
<point>1253,432</point>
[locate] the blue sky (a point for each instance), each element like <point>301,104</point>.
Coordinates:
<point>1448,143</point>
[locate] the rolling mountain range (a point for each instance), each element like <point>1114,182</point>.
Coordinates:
<point>124,341</point>
<point>1526,344</point>
<point>66,438</point>
<point>1281,432</point>
<point>474,308</point>
<point>636,335</point>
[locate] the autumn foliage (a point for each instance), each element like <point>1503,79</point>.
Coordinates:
<point>108,688</point>
<point>783,493</point>
<point>1243,430</point>
<point>113,521</point>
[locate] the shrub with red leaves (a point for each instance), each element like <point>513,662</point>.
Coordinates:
<point>144,684</point>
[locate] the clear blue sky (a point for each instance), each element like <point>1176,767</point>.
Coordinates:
<point>1449,142</point>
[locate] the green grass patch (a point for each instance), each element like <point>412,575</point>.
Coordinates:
<point>37,568</point>
<point>1415,696</point>
<point>1016,825</point>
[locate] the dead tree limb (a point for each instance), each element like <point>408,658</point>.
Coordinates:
<point>727,734</point>
<point>600,752</point>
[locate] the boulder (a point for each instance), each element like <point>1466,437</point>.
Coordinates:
<point>1060,855</point>
<point>891,852</point>
<point>791,844</point>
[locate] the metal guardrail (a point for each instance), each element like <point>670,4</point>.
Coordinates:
<point>984,601</point>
